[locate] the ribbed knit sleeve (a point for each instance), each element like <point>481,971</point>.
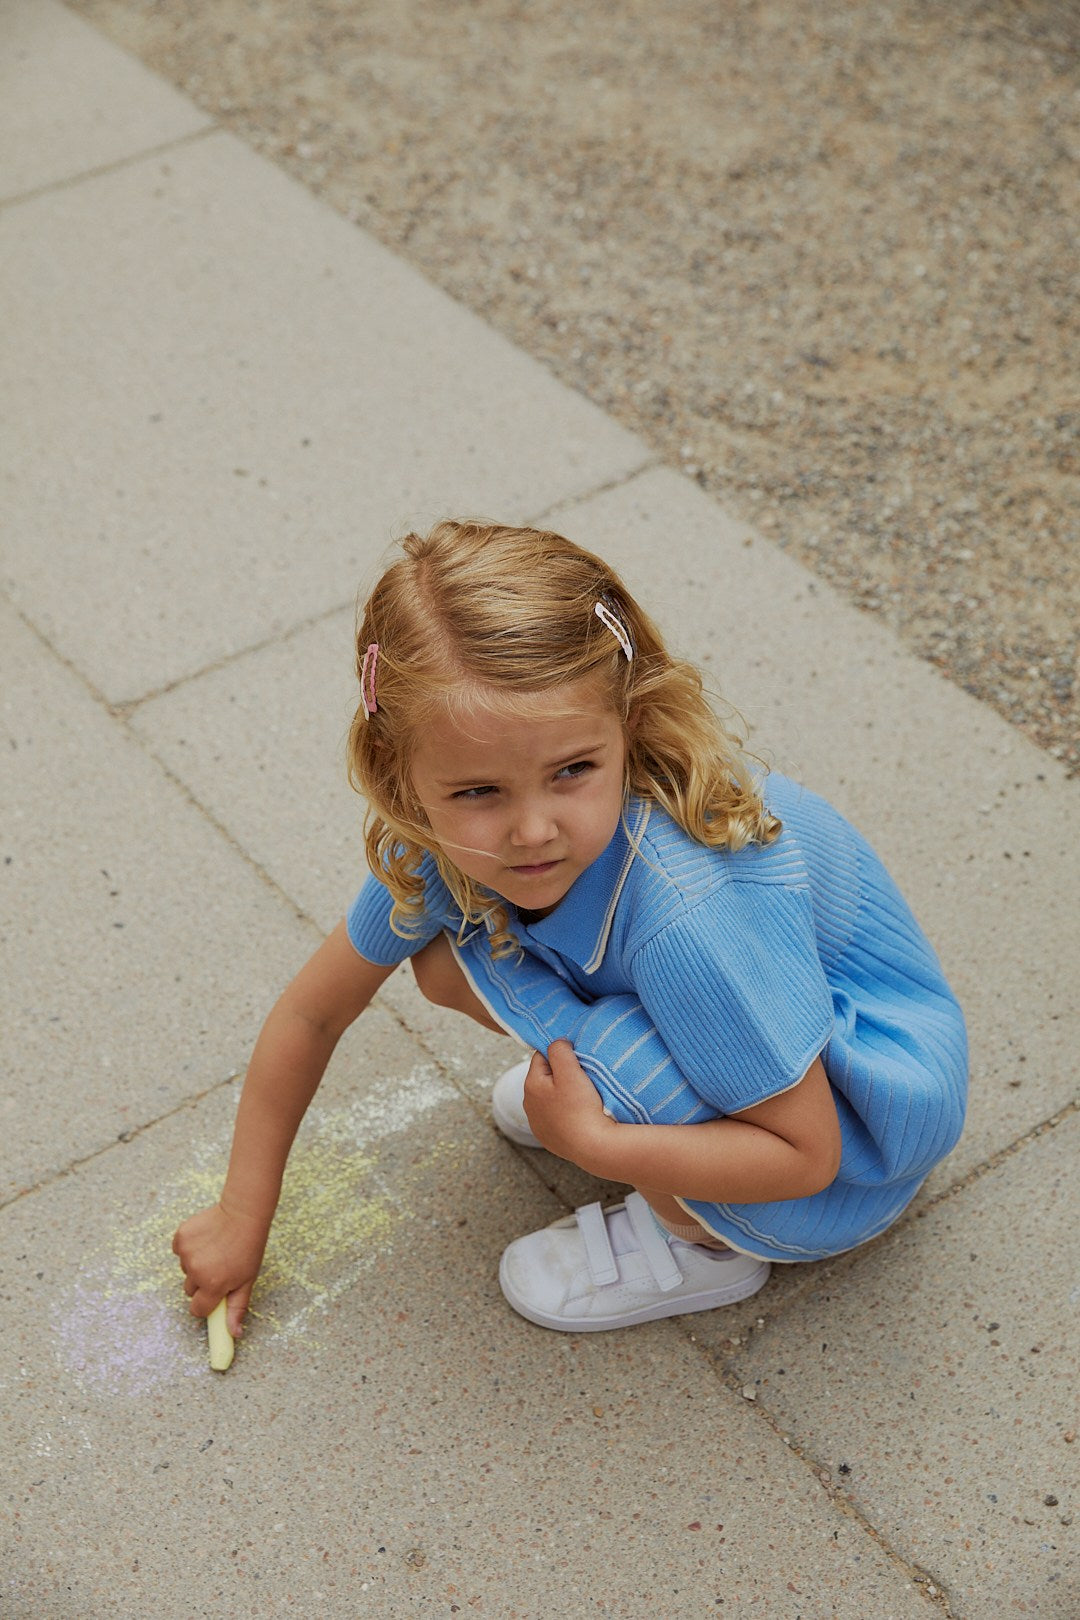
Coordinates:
<point>368,926</point>
<point>736,991</point>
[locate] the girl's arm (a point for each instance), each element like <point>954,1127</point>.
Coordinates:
<point>221,1248</point>
<point>787,1147</point>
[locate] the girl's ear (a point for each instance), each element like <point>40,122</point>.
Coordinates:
<point>632,720</point>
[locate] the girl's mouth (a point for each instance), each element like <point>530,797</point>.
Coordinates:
<point>537,870</point>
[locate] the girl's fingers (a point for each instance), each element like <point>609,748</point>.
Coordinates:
<point>563,1061</point>
<point>237,1309</point>
<point>539,1068</point>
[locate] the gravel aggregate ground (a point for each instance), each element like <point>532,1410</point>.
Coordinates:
<point>823,255</point>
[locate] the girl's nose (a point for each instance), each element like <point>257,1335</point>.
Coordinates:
<point>532,827</point>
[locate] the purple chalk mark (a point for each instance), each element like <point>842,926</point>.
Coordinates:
<point>124,1344</point>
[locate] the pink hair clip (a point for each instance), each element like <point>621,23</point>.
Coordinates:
<point>608,617</point>
<point>367,680</point>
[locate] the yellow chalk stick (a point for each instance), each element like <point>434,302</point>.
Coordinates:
<point>222,1346</point>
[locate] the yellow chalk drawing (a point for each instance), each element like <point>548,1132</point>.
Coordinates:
<point>324,1222</point>
<point>338,1212</point>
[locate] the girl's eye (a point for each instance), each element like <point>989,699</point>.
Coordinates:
<point>578,768</point>
<point>473,793</point>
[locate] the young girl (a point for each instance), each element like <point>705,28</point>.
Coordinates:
<point>731,1007</point>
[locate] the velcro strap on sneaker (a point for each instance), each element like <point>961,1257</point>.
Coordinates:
<point>653,1246</point>
<point>598,1252</point>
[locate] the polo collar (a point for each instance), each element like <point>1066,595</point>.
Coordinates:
<point>580,925</point>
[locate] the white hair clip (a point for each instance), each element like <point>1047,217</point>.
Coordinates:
<point>608,617</point>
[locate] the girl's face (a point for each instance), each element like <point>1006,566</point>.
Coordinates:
<point>523,804</point>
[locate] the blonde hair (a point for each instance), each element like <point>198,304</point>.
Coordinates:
<point>477,615</point>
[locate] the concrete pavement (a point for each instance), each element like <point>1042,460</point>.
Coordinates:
<point>221,402</point>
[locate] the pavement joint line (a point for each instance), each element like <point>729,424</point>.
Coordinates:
<point>72,668</point>
<point>828,1270</point>
<point>985,1166</point>
<point>62,1172</point>
<point>124,708</point>
<point>567,503</point>
<point>70,181</point>
<point>192,1101</point>
<point>117,713</point>
<point>933,1588</point>
<point>219,826</point>
<point>728,1373</point>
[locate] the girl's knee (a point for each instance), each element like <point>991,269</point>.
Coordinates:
<point>442,982</point>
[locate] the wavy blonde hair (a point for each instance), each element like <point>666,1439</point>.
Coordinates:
<point>478,615</point>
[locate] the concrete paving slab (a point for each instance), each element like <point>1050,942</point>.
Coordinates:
<point>261,743</point>
<point>230,399</point>
<point>390,1437</point>
<point>936,1382</point>
<point>981,829</point>
<point>70,102</point>
<point>139,951</point>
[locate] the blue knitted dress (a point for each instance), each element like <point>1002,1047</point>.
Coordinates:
<point>695,983</point>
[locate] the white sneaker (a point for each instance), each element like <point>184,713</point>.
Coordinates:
<point>508,1106</point>
<point>599,1269</point>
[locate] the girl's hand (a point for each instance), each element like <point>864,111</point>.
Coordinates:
<point>563,1106</point>
<point>221,1253</point>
